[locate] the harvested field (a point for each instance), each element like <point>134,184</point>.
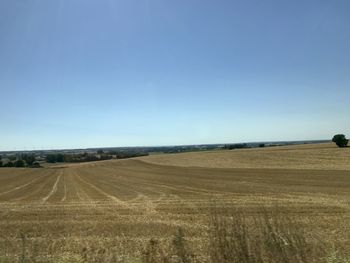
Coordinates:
<point>325,156</point>
<point>110,210</point>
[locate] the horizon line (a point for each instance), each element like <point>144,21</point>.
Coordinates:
<point>165,145</point>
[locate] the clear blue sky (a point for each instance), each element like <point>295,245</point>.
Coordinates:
<point>88,73</point>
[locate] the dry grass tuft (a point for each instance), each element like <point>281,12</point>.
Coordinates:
<point>267,236</point>
<point>236,237</point>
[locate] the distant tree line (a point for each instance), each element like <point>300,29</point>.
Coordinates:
<point>170,149</point>
<point>236,146</point>
<point>22,160</point>
<point>88,157</point>
<point>75,158</point>
<point>124,155</point>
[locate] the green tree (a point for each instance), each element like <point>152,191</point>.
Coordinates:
<point>9,164</point>
<point>60,158</point>
<point>20,163</point>
<point>51,158</point>
<point>28,158</point>
<point>340,140</point>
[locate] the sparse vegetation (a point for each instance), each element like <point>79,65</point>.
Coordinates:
<point>235,236</point>
<point>268,235</point>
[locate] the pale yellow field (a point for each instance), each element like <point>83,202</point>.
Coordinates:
<point>325,156</point>
<point>110,210</point>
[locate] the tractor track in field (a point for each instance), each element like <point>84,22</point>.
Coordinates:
<point>22,186</point>
<point>100,191</point>
<point>53,190</point>
<point>65,190</point>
